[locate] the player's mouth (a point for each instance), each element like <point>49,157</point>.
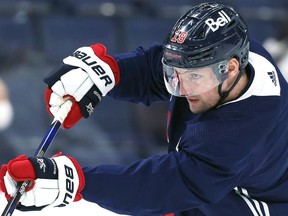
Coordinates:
<point>192,100</point>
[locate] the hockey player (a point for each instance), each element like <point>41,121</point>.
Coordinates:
<point>227,125</point>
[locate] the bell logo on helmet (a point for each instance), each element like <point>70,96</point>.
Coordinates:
<point>220,21</point>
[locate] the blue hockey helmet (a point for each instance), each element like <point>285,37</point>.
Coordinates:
<point>208,35</point>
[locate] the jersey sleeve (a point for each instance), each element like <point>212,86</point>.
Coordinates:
<point>141,76</point>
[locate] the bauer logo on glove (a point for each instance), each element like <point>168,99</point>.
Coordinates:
<point>85,55</point>
<point>85,77</point>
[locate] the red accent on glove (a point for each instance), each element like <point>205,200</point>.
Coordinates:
<point>3,171</point>
<point>48,93</point>
<point>100,52</point>
<point>73,116</point>
<point>20,169</point>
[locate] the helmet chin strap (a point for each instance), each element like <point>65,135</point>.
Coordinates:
<point>224,95</point>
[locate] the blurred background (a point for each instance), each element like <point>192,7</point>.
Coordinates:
<point>36,35</point>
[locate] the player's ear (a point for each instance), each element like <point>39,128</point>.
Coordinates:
<point>233,70</point>
<point>233,67</point>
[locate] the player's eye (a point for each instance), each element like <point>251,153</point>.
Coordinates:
<point>193,76</point>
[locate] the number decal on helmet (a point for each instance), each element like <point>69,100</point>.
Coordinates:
<point>179,37</point>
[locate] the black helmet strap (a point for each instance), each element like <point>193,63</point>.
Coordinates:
<point>224,95</point>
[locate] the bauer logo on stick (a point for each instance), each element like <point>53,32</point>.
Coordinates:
<point>222,20</point>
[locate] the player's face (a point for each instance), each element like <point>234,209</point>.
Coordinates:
<point>188,82</point>
<point>207,100</point>
<point>204,83</point>
<point>195,81</point>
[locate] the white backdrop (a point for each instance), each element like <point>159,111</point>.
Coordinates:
<point>77,208</point>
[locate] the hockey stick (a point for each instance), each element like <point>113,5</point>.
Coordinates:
<point>42,148</point>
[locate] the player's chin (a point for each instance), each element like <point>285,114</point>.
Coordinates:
<point>197,107</point>
<point>194,106</point>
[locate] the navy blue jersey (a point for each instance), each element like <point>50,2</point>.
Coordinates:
<point>231,160</point>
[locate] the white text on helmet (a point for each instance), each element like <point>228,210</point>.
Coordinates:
<point>220,21</point>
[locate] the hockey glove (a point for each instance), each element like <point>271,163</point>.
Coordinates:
<point>85,77</point>
<point>55,181</point>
